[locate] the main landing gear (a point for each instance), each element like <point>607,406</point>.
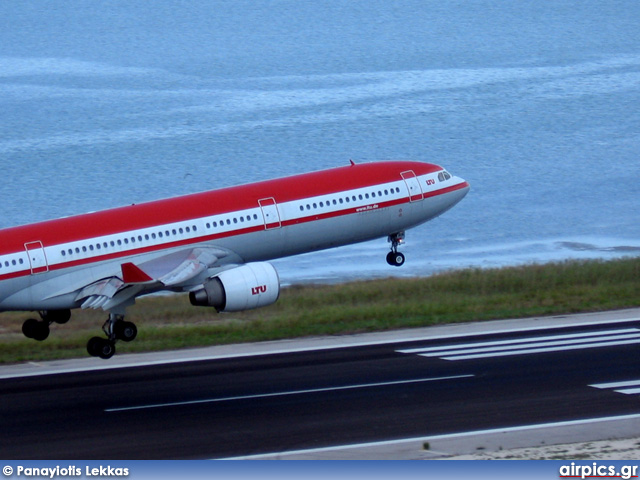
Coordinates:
<point>115,328</point>
<point>394,257</point>
<point>39,329</point>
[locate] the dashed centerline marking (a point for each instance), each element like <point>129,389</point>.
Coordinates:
<point>292,392</point>
<point>531,345</point>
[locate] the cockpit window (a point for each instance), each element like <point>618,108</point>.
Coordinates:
<point>444,175</point>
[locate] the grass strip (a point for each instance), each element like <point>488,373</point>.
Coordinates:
<point>170,322</point>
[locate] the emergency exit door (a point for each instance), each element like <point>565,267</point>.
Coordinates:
<point>270,213</point>
<point>37,257</point>
<point>413,185</point>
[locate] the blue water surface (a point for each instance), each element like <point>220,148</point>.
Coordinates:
<point>534,103</point>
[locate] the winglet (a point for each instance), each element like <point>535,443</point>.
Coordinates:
<point>133,274</point>
<point>352,162</point>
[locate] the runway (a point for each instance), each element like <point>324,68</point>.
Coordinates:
<point>325,393</point>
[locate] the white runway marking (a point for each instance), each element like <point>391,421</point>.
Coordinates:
<point>281,394</point>
<point>531,345</point>
<point>633,386</point>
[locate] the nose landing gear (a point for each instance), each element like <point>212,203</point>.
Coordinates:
<point>394,257</point>
<point>115,328</point>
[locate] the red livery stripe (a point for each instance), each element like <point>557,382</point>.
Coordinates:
<point>215,202</point>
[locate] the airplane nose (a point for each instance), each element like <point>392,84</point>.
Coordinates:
<point>459,193</point>
<point>464,189</point>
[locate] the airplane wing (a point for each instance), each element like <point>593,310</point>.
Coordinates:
<point>175,271</point>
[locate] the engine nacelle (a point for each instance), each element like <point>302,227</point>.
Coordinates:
<point>241,288</point>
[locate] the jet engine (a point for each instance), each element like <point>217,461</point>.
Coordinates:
<point>244,287</point>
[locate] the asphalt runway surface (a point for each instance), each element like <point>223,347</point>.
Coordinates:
<point>280,398</point>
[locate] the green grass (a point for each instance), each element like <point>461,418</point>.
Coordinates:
<point>306,310</point>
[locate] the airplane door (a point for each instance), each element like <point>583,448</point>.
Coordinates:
<point>37,257</point>
<point>413,185</point>
<point>270,213</point>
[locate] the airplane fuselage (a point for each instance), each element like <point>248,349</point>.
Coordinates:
<point>180,243</point>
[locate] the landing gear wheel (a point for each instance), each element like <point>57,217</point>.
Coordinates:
<point>107,349</point>
<point>115,328</point>
<point>125,331</point>
<point>101,347</point>
<point>29,327</point>
<point>93,346</point>
<point>57,316</point>
<point>42,332</point>
<point>38,330</point>
<point>395,259</point>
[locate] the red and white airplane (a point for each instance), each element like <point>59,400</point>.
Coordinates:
<point>213,245</point>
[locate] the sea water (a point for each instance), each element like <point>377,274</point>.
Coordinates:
<point>536,104</point>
